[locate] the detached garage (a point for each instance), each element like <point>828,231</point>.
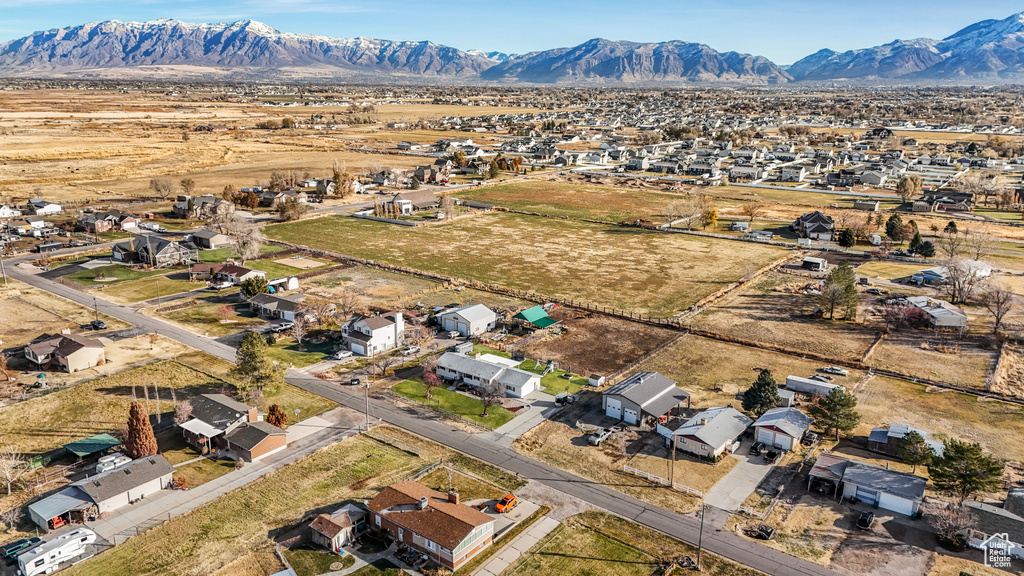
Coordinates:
<point>469,321</point>
<point>644,394</point>
<point>782,428</point>
<point>880,487</point>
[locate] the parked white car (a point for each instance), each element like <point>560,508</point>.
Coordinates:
<point>340,354</point>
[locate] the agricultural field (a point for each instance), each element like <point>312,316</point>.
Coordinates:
<point>772,311</point>
<point>714,373</point>
<point>626,268</point>
<point>28,312</point>
<point>599,544</point>
<point>578,198</point>
<point>597,344</point>
<point>236,525</point>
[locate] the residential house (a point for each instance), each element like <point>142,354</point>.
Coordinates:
<point>940,274</point>
<point>210,239</point>
<point>642,395</point>
<point>814,225</point>
<point>704,167</point>
<point>274,199</point>
<point>883,488</point>
<point>666,167</point>
<point>866,205</point>
<point>338,529</point>
<point>468,321</point>
<point>20,227</point>
<point>709,433</point>
<point>403,145</point>
<point>251,441</point>
<point>8,212</point>
<point>212,417</point>
<point>745,173</point>
<point>36,222</point>
<point>437,525</point>
<point>792,174</point>
<point>154,251</point>
<point>201,207</point>
<point>998,526</point>
<point>782,427</point>
<point>385,178</point>
<point>873,178</point>
<point>367,335</point>
<point>236,274</point>
<point>888,440</point>
<point>948,201</point>
<point>940,314</point>
<point>69,352</point>
<point>640,163</point>
<point>410,201</point>
<point>487,369</point>
<point>41,207</point>
<point>103,493</point>
<point>276,306</point>
<point>438,172</point>
<point>98,222</point>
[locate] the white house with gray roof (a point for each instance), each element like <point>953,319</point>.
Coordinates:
<point>782,427</point>
<point>708,433</point>
<point>468,321</point>
<point>488,368</point>
<point>881,487</point>
<point>644,394</point>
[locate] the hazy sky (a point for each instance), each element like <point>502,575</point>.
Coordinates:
<point>782,30</point>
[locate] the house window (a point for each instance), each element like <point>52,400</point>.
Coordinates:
<point>376,520</point>
<point>431,546</point>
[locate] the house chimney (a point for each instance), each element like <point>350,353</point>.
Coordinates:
<point>453,497</point>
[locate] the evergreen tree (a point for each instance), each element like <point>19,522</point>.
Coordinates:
<point>892,226</point>
<point>252,365</point>
<point>913,450</point>
<point>950,228</point>
<point>837,411</point>
<point>926,249</point>
<point>492,171</point>
<point>140,440</point>
<point>846,238</point>
<point>255,285</point>
<point>915,243</point>
<point>963,470</point>
<point>763,394</point>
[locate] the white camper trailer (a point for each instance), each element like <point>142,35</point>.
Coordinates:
<point>48,556</point>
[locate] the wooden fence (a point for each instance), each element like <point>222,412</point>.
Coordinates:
<point>663,481</point>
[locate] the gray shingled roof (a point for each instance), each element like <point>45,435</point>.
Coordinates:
<point>789,420</point>
<point>120,480</point>
<point>720,425</point>
<point>217,409</point>
<point>884,480</point>
<point>249,435</point>
<point>653,392</point>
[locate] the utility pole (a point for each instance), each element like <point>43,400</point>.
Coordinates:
<point>95,308</point>
<point>3,270</point>
<point>366,408</point>
<point>672,472</point>
<point>700,537</point>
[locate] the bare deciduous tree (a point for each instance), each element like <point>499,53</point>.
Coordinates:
<point>162,186</point>
<point>999,302</point>
<point>950,522</point>
<point>12,467</point>
<point>10,518</point>
<point>385,363</point>
<point>182,411</point>
<point>323,310</point>
<point>951,244</point>
<point>490,394</point>
<point>345,304</point>
<point>300,326</point>
<point>962,280</point>
<point>895,315</point>
<point>752,210</point>
<point>979,242</point>
<point>188,186</point>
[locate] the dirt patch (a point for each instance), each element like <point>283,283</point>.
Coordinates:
<point>598,344</point>
<point>302,263</point>
<point>1009,375</point>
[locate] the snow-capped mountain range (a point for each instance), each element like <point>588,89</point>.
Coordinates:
<point>990,51</point>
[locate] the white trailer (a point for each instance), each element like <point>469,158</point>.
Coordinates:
<point>48,556</point>
<point>810,387</point>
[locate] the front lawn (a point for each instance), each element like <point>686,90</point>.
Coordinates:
<point>288,352</point>
<point>202,471</point>
<point>461,404</point>
<point>312,562</point>
<point>288,398</point>
<point>205,318</point>
<point>121,273</point>
<point>152,287</point>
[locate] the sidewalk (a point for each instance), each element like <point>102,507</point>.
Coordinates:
<point>519,546</point>
<point>168,504</point>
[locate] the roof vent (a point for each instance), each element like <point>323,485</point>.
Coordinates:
<point>423,503</point>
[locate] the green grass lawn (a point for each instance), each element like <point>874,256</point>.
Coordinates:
<point>382,567</point>
<point>553,382</point>
<point>152,287</point>
<point>122,273</point>
<point>461,404</point>
<point>202,471</point>
<point>313,562</point>
<point>624,268</point>
<point>222,254</point>
<point>172,445</point>
<point>481,349</point>
<point>289,353</point>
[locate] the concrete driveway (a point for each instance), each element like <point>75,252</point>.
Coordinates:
<point>542,405</point>
<point>740,482</point>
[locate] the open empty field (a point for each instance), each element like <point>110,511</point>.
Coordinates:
<point>372,287</point>
<point>599,544</point>
<point>28,312</point>
<point>714,372</point>
<point>916,353</point>
<point>626,268</point>
<point>578,199</point>
<point>773,311</point>
<point>597,344</point>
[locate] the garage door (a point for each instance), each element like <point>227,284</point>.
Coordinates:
<point>865,495</point>
<point>613,408</point>
<point>765,435</point>
<point>463,328</point>
<point>358,349</point>
<point>783,441</point>
<point>630,416</point>
<point>896,504</point>
<point>449,324</point>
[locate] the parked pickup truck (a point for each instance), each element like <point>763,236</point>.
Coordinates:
<point>600,435</point>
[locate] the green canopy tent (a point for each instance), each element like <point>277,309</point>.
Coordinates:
<point>536,316</point>
<point>92,445</point>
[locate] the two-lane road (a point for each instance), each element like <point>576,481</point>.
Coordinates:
<point>479,446</point>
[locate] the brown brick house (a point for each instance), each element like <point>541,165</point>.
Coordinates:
<point>449,532</point>
<point>254,440</point>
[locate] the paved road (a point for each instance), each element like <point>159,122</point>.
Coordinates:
<point>685,528</point>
